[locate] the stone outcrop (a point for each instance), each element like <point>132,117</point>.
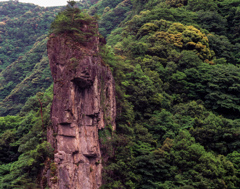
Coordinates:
<point>83,104</point>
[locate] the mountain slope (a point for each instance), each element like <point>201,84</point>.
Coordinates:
<point>16,40</point>
<point>25,77</point>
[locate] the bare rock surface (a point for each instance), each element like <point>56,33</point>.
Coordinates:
<point>83,103</point>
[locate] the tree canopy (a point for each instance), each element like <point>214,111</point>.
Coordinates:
<point>176,68</point>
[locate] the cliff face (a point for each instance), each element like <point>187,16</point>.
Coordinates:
<point>83,103</point>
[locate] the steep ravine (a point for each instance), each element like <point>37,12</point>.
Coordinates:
<point>83,104</point>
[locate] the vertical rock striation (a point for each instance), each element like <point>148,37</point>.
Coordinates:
<point>83,103</point>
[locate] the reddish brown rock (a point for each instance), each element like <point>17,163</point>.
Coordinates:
<point>83,103</point>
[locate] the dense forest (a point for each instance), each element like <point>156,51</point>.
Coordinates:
<point>177,74</point>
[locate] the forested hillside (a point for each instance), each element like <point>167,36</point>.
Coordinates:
<point>176,68</point>
<point>16,40</point>
<point>24,68</point>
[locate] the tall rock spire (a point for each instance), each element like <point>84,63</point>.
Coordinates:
<point>83,104</point>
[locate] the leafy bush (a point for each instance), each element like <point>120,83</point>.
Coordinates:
<point>73,21</point>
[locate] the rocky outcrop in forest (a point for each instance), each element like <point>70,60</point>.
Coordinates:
<point>83,104</point>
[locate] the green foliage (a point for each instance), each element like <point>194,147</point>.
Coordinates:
<point>16,40</point>
<point>212,21</point>
<point>205,168</point>
<point>196,5</point>
<point>8,122</point>
<point>176,3</point>
<point>162,125</point>
<point>223,48</point>
<point>175,65</point>
<point>217,86</point>
<point>234,157</point>
<point>188,60</point>
<point>73,21</point>
<point>23,145</point>
<point>217,134</point>
<point>170,69</point>
<point>24,78</point>
<point>111,18</point>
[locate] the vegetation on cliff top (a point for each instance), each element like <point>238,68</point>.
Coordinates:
<point>76,23</point>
